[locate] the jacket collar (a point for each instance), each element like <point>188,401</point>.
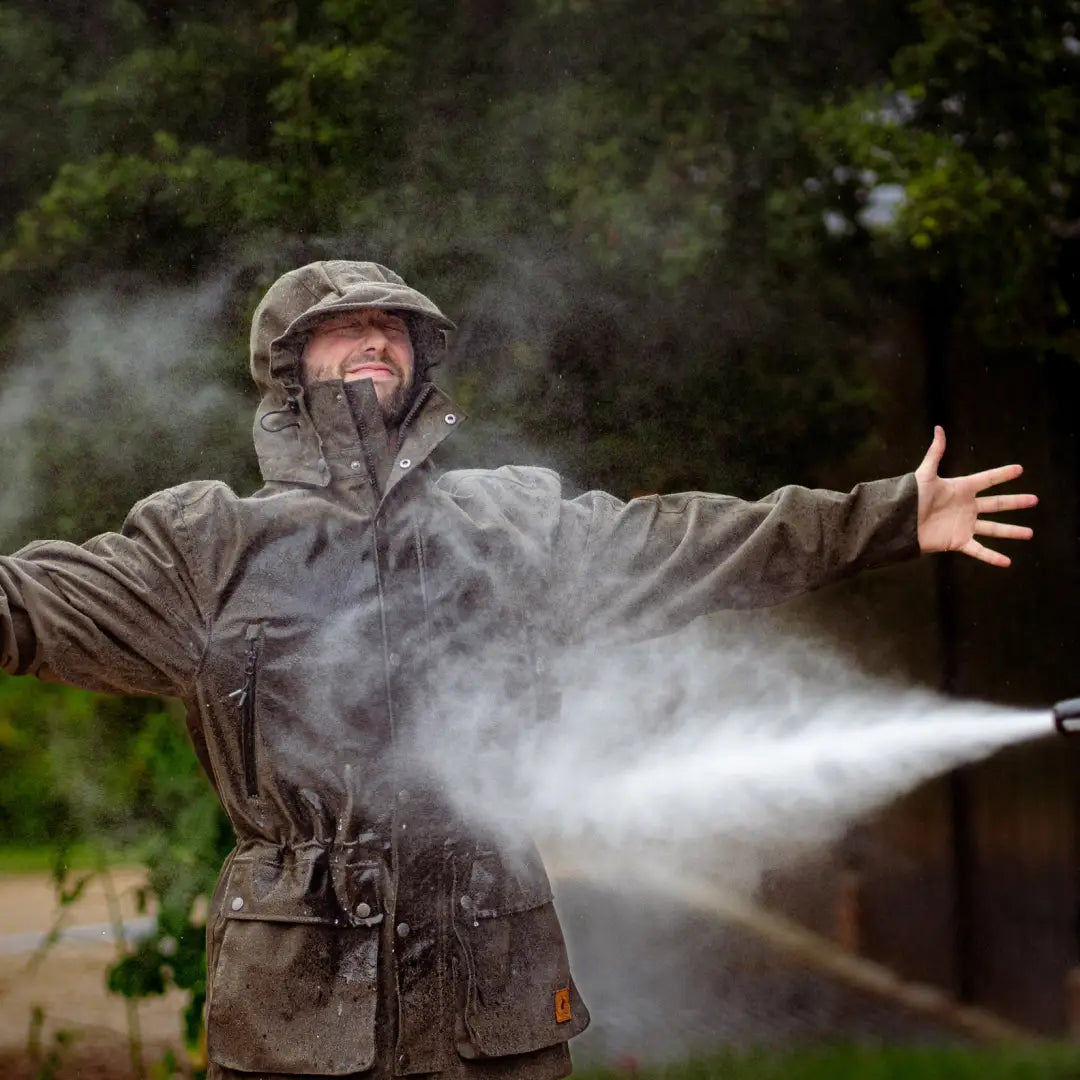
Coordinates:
<point>319,440</point>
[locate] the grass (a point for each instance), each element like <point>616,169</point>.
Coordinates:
<point>1049,1061</point>
<point>15,859</point>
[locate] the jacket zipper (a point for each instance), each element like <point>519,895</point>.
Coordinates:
<point>425,392</point>
<point>245,701</point>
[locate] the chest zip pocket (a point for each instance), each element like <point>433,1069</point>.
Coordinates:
<point>244,697</point>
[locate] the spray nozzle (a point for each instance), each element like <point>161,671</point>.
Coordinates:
<point>1067,716</point>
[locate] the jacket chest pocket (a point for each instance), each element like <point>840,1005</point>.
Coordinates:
<point>245,697</point>
<point>519,995</point>
<point>293,989</point>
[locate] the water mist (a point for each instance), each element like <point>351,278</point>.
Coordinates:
<point>716,754</point>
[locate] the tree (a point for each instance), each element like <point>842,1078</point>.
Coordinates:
<point>975,140</point>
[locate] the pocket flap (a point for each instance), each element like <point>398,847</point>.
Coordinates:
<point>502,883</point>
<point>298,887</point>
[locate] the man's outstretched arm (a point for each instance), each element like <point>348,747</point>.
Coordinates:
<point>119,613</point>
<point>652,565</point>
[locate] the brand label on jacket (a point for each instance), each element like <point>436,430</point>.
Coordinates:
<point>562,1005</point>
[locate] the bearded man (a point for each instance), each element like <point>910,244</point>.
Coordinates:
<point>322,629</point>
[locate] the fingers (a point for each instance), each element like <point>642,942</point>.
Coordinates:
<point>991,477</point>
<point>985,554</point>
<point>928,467</point>
<point>1003,531</point>
<point>995,504</point>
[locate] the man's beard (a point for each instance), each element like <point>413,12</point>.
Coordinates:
<point>394,407</point>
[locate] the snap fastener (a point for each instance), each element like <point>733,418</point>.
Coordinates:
<point>403,1060</point>
<point>237,903</point>
<point>405,462</point>
<point>339,397</point>
<point>403,929</point>
<point>466,902</point>
<point>354,465</point>
<point>363,910</point>
<point>450,418</point>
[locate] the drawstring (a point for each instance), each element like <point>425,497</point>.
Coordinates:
<point>292,407</point>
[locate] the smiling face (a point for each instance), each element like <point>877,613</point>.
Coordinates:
<point>369,344</point>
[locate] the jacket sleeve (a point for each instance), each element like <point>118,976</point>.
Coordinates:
<point>651,565</point>
<point>119,613</point>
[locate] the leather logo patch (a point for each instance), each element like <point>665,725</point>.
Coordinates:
<point>562,1005</point>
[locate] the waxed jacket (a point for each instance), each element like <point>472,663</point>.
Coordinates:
<point>320,628</point>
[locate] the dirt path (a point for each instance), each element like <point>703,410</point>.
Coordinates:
<point>67,982</point>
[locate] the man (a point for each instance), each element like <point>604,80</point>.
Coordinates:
<point>324,628</point>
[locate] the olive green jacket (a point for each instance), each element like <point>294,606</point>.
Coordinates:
<point>313,630</point>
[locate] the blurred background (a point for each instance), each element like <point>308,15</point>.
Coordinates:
<point>721,245</point>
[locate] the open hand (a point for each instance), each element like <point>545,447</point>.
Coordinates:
<point>949,510</point>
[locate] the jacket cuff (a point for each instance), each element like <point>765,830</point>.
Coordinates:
<point>893,506</point>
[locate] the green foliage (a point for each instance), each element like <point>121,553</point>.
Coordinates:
<point>979,126</point>
<point>183,837</point>
<point>118,776</point>
<point>30,74</point>
<point>190,199</point>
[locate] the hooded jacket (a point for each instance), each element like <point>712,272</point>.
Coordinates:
<point>351,611</point>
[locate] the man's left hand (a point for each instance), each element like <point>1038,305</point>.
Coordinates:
<point>950,510</point>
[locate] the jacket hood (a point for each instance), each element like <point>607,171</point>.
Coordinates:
<point>285,438</point>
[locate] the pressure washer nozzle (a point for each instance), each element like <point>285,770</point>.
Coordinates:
<point>1067,716</point>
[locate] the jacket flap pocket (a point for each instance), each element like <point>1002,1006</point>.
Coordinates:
<point>295,998</point>
<point>520,995</point>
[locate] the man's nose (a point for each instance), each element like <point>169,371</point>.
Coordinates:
<point>374,340</point>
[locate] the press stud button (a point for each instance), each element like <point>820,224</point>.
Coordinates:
<point>237,903</point>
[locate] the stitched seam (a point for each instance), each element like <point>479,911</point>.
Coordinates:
<point>184,535</point>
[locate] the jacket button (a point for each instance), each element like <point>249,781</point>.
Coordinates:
<point>403,1060</point>
<point>237,903</point>
<point>405,463</point>
<point>363,910</point>
<point>403,929</point>
<point>450,418</point>
<point>466,902</point>
<point>354,465</point>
